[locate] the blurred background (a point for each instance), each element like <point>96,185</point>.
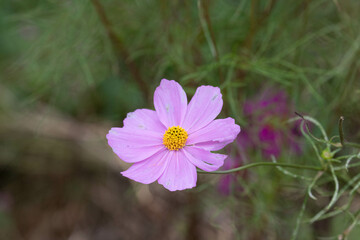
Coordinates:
<point>72,69</point>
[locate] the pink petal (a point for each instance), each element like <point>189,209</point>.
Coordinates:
<point>149,170</point>
<point>216,135</point>
<point>203,108</point>
<point>180,174</point>
<point>170,103</point>
<point>144,119</point>
<point>203,159</point>
<point>134,145</point>
<point>213,145</point>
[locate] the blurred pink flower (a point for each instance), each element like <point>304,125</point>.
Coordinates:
<point>266,131</point>
<point>169,143</point>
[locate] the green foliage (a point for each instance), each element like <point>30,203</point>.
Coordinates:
<point>95,61</point>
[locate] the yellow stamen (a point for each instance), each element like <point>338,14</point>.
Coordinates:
<point>175,138</point>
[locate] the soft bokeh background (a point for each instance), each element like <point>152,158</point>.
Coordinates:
<point>72,69</point>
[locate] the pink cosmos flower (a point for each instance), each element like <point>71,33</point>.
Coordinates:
<point>166,145</point>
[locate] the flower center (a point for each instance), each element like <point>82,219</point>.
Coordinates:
<point>175,138</point>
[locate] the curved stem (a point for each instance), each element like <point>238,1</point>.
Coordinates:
<point>342,139</point>
<point>251,165</point>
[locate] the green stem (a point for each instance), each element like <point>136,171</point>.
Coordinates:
<point>251,165</point>
<point>341,131</point>
<point>354,145</point>
<point>342,138</point>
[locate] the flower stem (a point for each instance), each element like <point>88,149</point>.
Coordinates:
<point>251,165</point>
